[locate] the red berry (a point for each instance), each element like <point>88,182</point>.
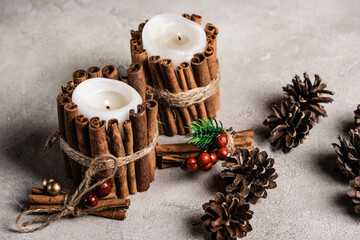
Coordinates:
<point>103,189</point>
<point>191,162</point>
<point>195,167</point>
<point>223,153</point>
<point>221,141</point>
<point>213,158</point>
<point>203,159</point>
<point>184,166</point>
<point>90,200</point>
<point>207,167</point>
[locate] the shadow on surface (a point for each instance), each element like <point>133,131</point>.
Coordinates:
<point>344,201</point>
<point>327,163</point>
<point>195,227</point>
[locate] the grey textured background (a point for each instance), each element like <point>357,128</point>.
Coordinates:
<point>261,45</point>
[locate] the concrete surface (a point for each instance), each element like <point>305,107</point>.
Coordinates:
<point>262,44</point>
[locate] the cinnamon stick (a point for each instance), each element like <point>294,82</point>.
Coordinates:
<point>151,115</point>
<point>179,122</point>
<point>213,65</point>
<point>135,34</point>
<point>137,79</point>
<point>186,15</point>
<point>129,147</point>
<point>142,166</point>
<point>79,76</point>
<point>45,199</point>
<point>211,41</point>
<point>111,72</point>
<point>141,26</point>
<point>167,116</point>
<point>117,149</point>
<point>99,146</point>
<point>68,89</point>
<point>125,79</point>
<point>190,80</point>
<point>61,100</point>
<point>94,72</point>
<point>184,87</point>
<point>39,191</point>
<point>117,214</point>
<point>135,44</point>
<point>202,77</point>
<point>172,84</point>
<point>141,57</point>
<point>82,132</point>
<point>70,113</point>
<point>196,18</point>
<point>210,29</point>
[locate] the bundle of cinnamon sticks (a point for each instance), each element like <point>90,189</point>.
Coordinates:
<point>172,155</point>
<point>109,208</point>
<point>94,137</point>
<point>163,75</point>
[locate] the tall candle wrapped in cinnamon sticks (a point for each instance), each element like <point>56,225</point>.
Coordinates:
<point>198,72</point>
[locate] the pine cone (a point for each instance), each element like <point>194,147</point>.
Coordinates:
<point>227,218</point>
<point>308,95</point>
<point>249,174</point>
<point>354,193</point>
<point>357,117</point>
<point>348,161</point>
<point>289,126</point>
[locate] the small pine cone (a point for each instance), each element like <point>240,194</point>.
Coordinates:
<point>227,217</point>
<point>249,174</point>
<point>308,95</point>
<point>357,117</point>
<point>354,193</point>
<point>289,126</point>
<point>348,161</point>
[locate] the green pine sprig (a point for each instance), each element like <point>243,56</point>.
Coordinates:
<point>204,132</point>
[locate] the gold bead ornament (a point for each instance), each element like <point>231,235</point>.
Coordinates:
<point>53,188</point>
<point>47,180</point>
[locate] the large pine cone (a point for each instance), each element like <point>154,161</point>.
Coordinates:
<point>249,174</point>
<point>227,218</point>
<point>289,125</point>
<point>354,193</point>
<point>348,161</point>
<point>357,117</point>
<point>308,95</point>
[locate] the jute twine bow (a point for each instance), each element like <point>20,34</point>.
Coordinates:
<point>95,165</point>
<point>187,98</point>
<point>230,135</point>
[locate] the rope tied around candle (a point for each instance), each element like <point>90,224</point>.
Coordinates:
<point>187,98</point>
<point>95,165</point>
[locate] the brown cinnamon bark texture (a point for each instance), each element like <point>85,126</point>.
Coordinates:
<point>142,166</point>
<point>94,72</point>
<point>167,117</point>
<point>135,44</point>
<point>184,87</point>
<point>151,115</point>
<point>135,34</point>
<point>70,113</point>
<point>141,26</point>
<point>82,132</point>
<point>137,79</point>
<point>63,99</point>
<point>202,77</point>
<point>118,150</point>
<point>213,65</point>
<point>45,199</point>
<point>196,18</point>
<point>172,84</point>
<point>211,41</point>
<point>117,214</point>
<point>210,29</point>
<point>141,57</point>
<point>68,89</point>
<point>186,15</point>
<point>39,191</point>
<point>79,76</point>
<point>99,146</point>
<point>129,149</point>
<point>191,83</point>
<point>111,72</point>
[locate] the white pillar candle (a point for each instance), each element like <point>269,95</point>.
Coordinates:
<point>106,99</point>
<point>174,37</point>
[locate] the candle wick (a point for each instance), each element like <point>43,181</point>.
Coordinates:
<point>107,107</point>
<point>179,38</point>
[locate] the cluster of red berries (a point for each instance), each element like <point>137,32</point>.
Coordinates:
<point>208,157</point>
<point>91,199</point>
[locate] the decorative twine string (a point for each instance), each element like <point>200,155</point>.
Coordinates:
<point>71,204</point>
<point>230,135</point>
<point>187,98</point>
